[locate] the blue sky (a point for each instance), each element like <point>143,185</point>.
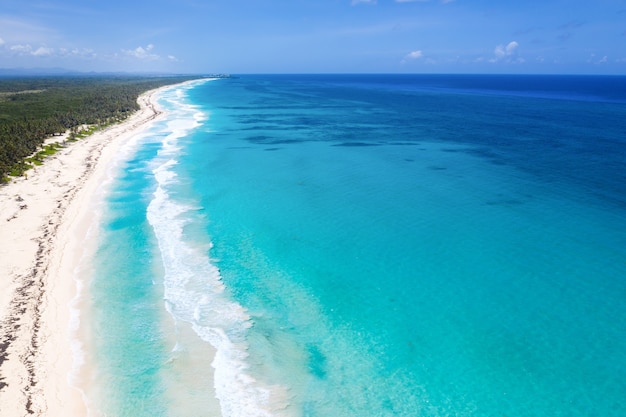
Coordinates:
<point>287,36</point>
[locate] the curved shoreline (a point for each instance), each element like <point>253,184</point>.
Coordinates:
<point>42,224</point>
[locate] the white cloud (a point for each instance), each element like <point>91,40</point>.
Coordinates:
<point>27,49</point>
<point>85,53</point>
<point>21,49</point>
<point>28,53</point>
<point>502,51</point>
<point>593,59</point>
<point>414,55</point>
<point>507,53</point>
<point>43,51</point>
<point>142,53</point>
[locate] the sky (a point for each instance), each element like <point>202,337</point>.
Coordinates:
<point>316,36</point>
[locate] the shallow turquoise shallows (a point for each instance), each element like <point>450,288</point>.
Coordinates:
<point>369,245</point>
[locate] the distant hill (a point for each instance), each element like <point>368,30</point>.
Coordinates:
<point>30,72</point>
<point>61,72</point>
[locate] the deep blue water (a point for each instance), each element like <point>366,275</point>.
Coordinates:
<point>372,245</point>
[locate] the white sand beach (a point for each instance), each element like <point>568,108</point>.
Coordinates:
<point>44,220</point>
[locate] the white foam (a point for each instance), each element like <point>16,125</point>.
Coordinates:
<point>194,291</point>
<point>125,152</point>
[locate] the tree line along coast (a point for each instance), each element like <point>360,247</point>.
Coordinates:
<point>33,109</point>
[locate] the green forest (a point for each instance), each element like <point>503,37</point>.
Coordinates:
<point>35,108</point>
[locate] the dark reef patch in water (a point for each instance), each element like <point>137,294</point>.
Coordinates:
<point>356,144</point>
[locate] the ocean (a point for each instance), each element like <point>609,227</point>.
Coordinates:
<point>367,245</point>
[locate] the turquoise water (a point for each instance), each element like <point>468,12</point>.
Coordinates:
<point>370,245</point>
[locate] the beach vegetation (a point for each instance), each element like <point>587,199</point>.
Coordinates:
<point>36,108</point>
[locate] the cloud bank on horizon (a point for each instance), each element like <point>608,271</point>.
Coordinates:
<point>248,36</point>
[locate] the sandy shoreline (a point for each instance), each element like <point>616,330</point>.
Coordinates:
<point>44,222</point>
